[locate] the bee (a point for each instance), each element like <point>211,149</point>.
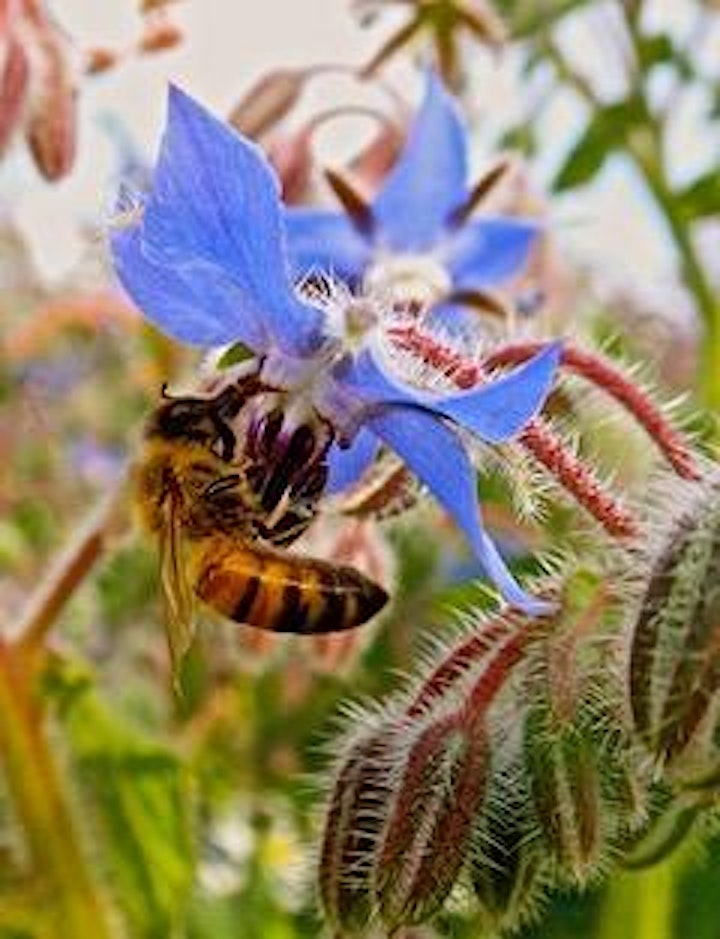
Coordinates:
<point>215,544</point>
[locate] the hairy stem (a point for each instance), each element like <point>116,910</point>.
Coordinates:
<point>604,375</point>
<point>538,437</point>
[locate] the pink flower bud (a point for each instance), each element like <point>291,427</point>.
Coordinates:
<point>13,89</point>
<point>51,118</point>
<point>100,60</point>
<point>159,36</point>
<point>268,101</point>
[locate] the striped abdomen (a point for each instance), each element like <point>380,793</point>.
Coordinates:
<point>269,589</point>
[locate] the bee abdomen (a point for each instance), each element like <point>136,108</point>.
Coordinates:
<point>284,593</point>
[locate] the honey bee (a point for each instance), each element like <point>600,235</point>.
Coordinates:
<point>214,537</point>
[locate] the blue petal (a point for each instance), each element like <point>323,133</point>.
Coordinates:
<point>429,179</point>
<point>215,198</point>
<point>194,302</point>
<point>435,454</point>
<point>495,412</point>
<point>487,251</point>
<point>499,410</point>
<point>348,465</point>
<point>327,242</point>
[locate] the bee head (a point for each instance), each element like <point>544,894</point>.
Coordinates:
<point>200,420</point>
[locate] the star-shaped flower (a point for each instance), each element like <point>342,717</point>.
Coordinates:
<point>204,257</point>
<point>418,233</point>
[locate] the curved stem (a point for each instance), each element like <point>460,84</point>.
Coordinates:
<point>74,906</point>
<point>644,147</point>
<point>66,574</point>
<point>693,271</point>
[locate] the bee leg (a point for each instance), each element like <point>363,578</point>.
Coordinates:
<point>219,486</point>
<point>226,439</point>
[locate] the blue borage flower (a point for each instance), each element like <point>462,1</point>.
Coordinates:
<point>204,257</point>
<point>416,231</point>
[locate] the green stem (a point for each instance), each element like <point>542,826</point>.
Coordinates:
<point>641,905</point>
<point>647,153</point>
<point>693,273</point>
<point>74,907</point>
<point>645,149</point>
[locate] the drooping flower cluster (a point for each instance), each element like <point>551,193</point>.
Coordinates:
<point>204,257</point>
<point>534,755</point>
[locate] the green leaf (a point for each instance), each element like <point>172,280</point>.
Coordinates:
<point>525,20</point>
<point>234,355</point>
<point>655,50</point>
<point>701,198</point>
<point>606,132</point>
<point>137,797</point>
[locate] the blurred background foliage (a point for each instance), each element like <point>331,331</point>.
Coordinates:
<point>127,811</point>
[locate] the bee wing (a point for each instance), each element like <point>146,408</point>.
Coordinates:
<point>176,588</point>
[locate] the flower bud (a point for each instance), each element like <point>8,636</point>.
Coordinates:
<point>160,35</point>
<point>268,101</point>
<point>100,59</point>
<point>361,791</point>
<point>508,871</point>
<point>426,837</point>
<point>51,126</point>
<point>674,667</point>
<point>565,787</point>
<point>13,89</point>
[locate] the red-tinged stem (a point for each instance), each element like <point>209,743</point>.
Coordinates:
<point>549,449</point>
<point>625,392</point>
<point>577,478</point>
<point>458,661</point>
<point>461,371</point>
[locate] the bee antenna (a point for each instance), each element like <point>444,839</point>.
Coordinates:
<point>165,394</point>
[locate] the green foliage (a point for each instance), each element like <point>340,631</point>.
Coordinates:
<point>137,797</point>
<point>606,132</point>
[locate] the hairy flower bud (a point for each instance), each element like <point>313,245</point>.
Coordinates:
<point>426,837</point>
<point>354,818</point>
<point>508,869</point>
<point>674,666</point>
<point>566,793</point>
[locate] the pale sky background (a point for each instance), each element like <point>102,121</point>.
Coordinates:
<point>229,43</point>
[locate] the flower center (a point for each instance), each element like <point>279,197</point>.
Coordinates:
<point>415,278</point>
